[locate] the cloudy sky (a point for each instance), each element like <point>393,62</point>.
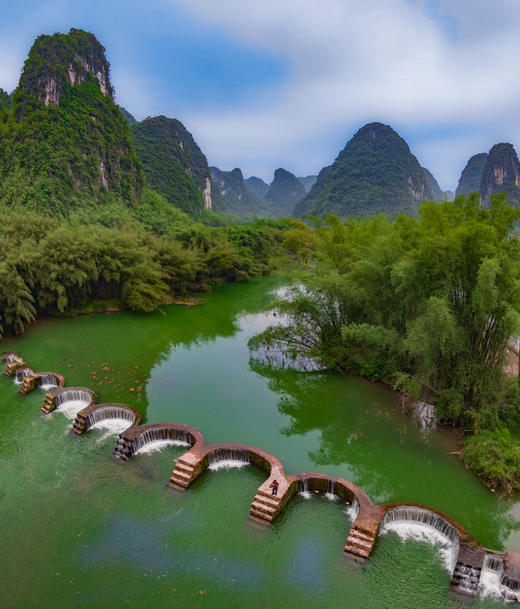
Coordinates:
<point>263,84</point>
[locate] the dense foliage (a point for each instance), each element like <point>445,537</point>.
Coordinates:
<point>495,456</point>
<point>426,304</point>
<point>173,163</point>
<point>64,146</point>
<point>50,265</point>
<point>374,172</point>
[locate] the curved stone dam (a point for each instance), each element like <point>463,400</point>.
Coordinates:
<point>470,564</point>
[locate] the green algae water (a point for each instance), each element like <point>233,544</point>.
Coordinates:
<point>79,529</point>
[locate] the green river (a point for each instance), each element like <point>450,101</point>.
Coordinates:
<point>79,529</point>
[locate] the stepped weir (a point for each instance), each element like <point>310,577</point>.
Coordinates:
<point>474,567</point>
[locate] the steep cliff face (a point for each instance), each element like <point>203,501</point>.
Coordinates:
<point>69,141</point>
<point>501,174</point>
<point>375,172</point>
<point>257,186</point>
<point>173,163</point>
<point>283,194</point>
<point>433,185</point>
<point>471,175</point>
<point>60,60</point>
<point>231,195</point>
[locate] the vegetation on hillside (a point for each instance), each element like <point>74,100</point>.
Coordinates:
<point>426,304</point>
<point>58,157</point>
<point>374,172</point>
<point>173,163</point>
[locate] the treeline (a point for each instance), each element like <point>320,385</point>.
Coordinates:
<point>426,304</point>
<point>138,259</point>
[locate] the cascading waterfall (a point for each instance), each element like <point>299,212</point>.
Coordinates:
<point>48,381</point>
<point>303,489</point>
<point>9,358</point>
<point>424,525</point>
<point>491,575</point>
<point>330,494</point>
<point>510,588</point>
<point>112,418</point>
<point>21,373</point>
<point>226,458</point>
<point>70,402</point>
<point>353,510</point>
<point>156,439</point>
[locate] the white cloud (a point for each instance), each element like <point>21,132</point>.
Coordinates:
<point>356,61</point>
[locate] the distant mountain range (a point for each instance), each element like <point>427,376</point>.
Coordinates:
<point>64,143</point>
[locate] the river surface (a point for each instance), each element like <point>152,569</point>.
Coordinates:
<point>79,529</point>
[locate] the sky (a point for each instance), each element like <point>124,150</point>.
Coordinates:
<point>286,83</point>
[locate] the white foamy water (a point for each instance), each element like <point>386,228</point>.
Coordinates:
<point>419,532</point>
<point>228,464</point>
<point>331,496</point>
<point>305,494</point>
<point>70,408</point>
<point>158,445</point>
<point>47,387</point>
<point>353,510</point>
<point>490,584</point>
<point>111,427</point>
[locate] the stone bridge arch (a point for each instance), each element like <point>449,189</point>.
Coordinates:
<point>94,413</point>
<point>55,398</point>
<point>136,437</point>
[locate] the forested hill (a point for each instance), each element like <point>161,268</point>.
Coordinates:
<point>471,175</point>
<point>501,173</point>
<point>6,103</point>
<point>283,194</point>
<point>492,173</point>
<point>257,186</point>
<point>375,172</point>
<point>65,141</point>
<point>231,195</point>
<point>173,163</point>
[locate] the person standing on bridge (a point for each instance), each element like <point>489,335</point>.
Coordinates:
<point>274,485</point>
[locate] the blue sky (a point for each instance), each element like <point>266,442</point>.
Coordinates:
<point>285,83</point>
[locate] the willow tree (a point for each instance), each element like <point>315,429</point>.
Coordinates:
<point>427,304</point>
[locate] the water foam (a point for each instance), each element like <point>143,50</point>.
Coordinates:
<point>228,464</point>
<point>158,445</point>
<point>111,427</point>
<point>70,408</point>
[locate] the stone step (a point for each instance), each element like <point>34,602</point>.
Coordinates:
<point>358,534</point>
<point>186,462</point>
<point>263,516</point>
<point>362,543</point>
<point>354,548</point>
<point>272,501</point>
<point>184,468</point>
<point>181,475</point>
<point>260,507</point>
<point>267,494</point>
<point>178,481</point>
